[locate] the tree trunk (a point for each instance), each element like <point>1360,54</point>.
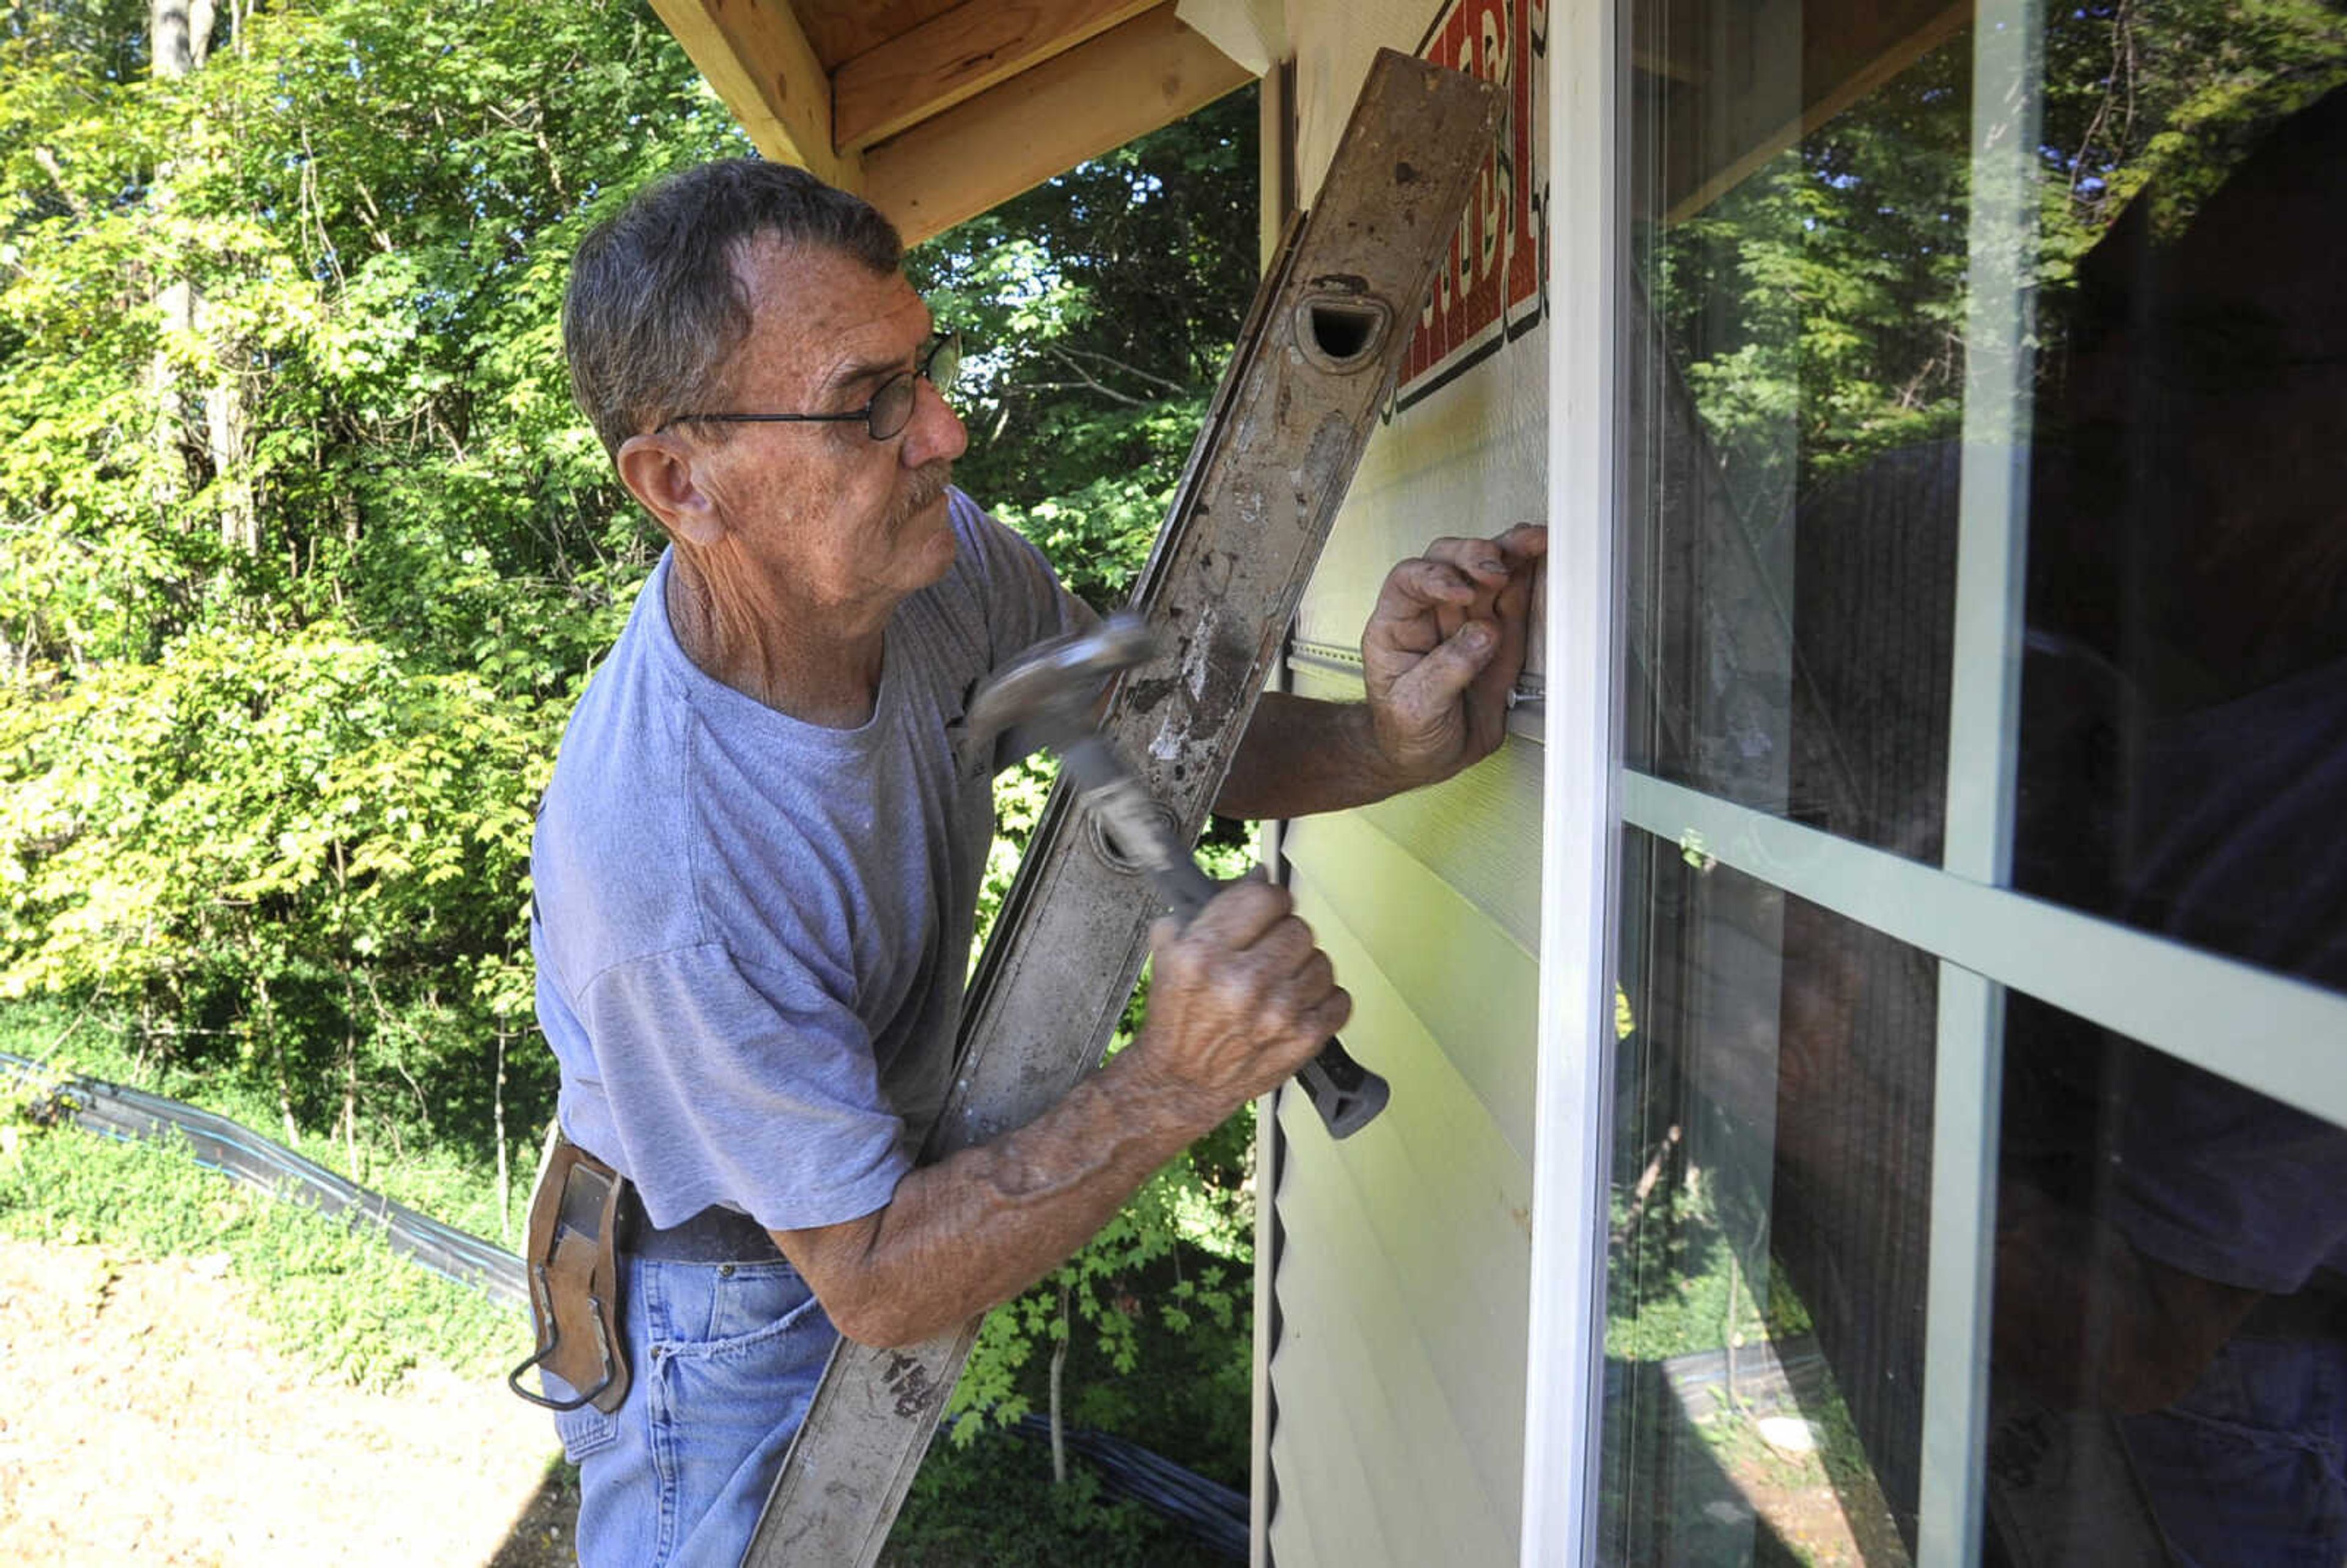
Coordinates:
<point>1059,1362</point>
<point>268,1015</point>
<point>224,434</point>
<point>181,35</point>
<point>505,1171</point>
<point>172,27</point>
<point>350,1014</point>
<point>200,15</point>
<point>351,1094</point>
<point>171,36</point>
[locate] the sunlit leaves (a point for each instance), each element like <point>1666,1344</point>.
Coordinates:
<point>277,800</point>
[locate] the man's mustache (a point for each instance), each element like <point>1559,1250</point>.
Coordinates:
<point>929,481</point>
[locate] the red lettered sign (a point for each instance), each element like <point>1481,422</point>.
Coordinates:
<point>1493,285</point>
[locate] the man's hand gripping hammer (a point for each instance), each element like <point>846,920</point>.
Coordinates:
<point>1049,693</point>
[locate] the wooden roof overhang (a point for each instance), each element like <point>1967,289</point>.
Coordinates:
<point>935,111</point>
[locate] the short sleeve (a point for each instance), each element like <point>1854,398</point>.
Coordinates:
<point>727,1082</point>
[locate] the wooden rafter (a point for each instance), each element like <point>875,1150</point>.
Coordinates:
<point>956,56</point>
<point>756,55</point>
<point>1130,79</point>
<point>842,29</point>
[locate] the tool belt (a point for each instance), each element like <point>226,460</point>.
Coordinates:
<point>571,1254</point>
<point>583,1217</point>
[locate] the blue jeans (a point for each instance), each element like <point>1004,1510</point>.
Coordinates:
<point>726,1358</point>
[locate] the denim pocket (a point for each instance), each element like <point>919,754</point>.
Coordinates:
<point>2246,1467</point>
<point>735,1353</point>
<point>701,1310</point>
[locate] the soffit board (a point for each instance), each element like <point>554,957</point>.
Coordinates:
<point>914,103</point>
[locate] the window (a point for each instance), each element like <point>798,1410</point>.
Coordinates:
<point>1979,1105</point>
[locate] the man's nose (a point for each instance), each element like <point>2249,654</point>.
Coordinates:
<point>935,430</point>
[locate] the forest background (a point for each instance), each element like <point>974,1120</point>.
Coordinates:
<point>305,556</point>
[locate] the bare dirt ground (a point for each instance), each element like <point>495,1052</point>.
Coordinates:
<point>144,1415</point>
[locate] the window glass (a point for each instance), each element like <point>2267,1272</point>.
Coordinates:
<point>1817,425</point>
<point>1766,1266</point>
<point>2169,1368</point>
<point>2183,743</point>
<point>1795,374</point>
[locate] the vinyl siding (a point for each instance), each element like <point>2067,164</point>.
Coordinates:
<point>1400,1260</point>
<point>1404,1269</point>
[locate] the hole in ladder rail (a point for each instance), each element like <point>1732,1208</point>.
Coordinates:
<point>1342,334</point>
<point>1111,849</point>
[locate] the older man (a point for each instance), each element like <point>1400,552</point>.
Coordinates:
<point>757,865</point>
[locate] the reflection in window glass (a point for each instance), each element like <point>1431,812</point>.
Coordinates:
<point>2171,1286</point>
<point>2169,1376</point>
<point>1795,371</point>
<point>1766,1266</point>
<point>2183,760</point>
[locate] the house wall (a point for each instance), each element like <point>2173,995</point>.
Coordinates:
<point>1399,1261</point>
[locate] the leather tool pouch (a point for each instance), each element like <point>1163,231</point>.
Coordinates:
<point>572,1256</point>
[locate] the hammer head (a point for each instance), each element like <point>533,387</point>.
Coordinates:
<point>1051,689</point>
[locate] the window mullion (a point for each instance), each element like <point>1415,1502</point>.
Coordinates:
<point>1984,728</point>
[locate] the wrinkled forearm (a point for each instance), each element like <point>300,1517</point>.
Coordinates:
<point>978,1227</point>
<point>1301,755</point>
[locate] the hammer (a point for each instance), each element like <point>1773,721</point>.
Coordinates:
<point>1048,693</point>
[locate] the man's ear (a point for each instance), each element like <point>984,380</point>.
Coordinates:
<point>658,470</point>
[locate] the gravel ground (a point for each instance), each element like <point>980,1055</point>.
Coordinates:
<point>145,1416</point>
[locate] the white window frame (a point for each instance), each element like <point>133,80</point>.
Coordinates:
<point>1565,1354</point>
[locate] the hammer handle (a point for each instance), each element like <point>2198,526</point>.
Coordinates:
<point>1348,1095</point>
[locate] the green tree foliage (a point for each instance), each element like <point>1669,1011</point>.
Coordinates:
<point>1817,306</point>
<point>277,696</point>
<point>1101,307</point>
<point>2167,98</point>
<point>273,793</point>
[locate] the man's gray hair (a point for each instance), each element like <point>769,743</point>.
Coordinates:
<point>654,311</point>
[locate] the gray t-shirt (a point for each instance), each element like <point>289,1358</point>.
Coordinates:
<point>751,932</point>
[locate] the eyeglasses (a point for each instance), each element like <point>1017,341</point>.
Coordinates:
<point>885,418</point>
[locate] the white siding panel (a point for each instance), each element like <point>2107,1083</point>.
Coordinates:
<point>1384,1491</point>
<point>1403,1268</point>
<point>1442,1198</point>
<point>1470,459</point>
<point>1402,1287</point>
<point>1480,832</point>
<point>1469,984</point>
